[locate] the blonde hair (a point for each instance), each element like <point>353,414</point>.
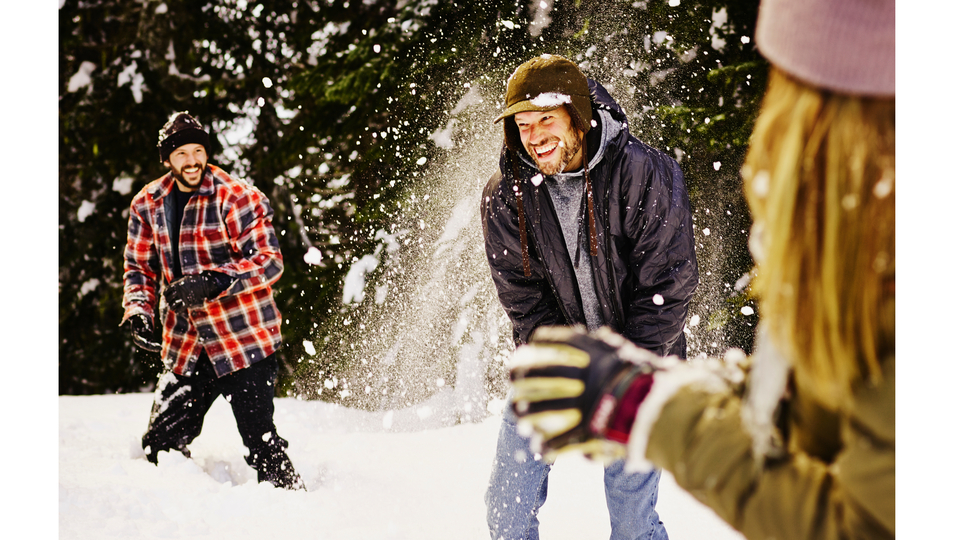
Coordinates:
<point>820,180</point>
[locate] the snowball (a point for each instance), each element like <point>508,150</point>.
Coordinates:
<point>313,256</point>
<point>537,179</point>
<point>308,346</point>
<point>706,232</point>
<point>716,165</point>
<point>658,300</point>
<point>695,320</point>
<point>746,310</point>
<point>421,161</point>
<point>376,48</point>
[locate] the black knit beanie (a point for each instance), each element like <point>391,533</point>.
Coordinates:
<point>179,130</point>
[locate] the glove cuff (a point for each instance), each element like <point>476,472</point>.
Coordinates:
<point>622,421</point>
<point>613,417</point>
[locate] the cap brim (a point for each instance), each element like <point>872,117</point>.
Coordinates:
<point>523,106</point>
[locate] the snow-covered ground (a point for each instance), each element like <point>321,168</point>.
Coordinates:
<point>418,479</point>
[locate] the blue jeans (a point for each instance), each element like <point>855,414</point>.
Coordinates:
<point>518,488</point>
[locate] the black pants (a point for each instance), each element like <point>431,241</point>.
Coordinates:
<point>182,402</point>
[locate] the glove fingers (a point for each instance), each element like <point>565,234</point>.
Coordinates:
<point>553,371</point>
<point>543,388</point>
<point>600,450</point>
<point>548,354</point>
<point>553,424</point>
<point>534,407</point>
<point>556,334</point>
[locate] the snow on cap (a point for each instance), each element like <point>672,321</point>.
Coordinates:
<point>551,99</point>
<point>846,46</point>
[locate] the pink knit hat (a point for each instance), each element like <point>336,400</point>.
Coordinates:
<point>847,46</point>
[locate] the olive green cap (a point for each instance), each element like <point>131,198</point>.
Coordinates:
<point>545,83</point>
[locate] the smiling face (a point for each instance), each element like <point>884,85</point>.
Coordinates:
<point>187,164</point>
<point>551,140</point>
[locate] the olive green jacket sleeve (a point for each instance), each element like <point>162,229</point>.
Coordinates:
<point>700,437</point>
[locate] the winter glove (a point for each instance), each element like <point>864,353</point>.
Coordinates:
<point>142,331</point>
<point>191,291</point>
<point>574,391</point>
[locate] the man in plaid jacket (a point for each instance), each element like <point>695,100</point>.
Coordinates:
<point>207,241</point>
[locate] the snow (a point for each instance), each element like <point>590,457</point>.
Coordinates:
<point>123,184</point>
<point>81,78</point>
<point>313,256</point>
<point>130,76</point>
<point>550,99</point>
<point>403,474</point>
<point>540,16</point>
<point>86,210</point>
<point>355,281</point>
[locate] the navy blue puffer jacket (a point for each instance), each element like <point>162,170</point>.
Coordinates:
<point>645,270</point>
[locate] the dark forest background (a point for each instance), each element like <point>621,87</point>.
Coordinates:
<point>329,107</point>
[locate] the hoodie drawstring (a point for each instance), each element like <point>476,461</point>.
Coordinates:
<point>520,215</point>
<point>586,207</point>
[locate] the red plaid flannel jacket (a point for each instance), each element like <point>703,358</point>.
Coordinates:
<point>227,227</point>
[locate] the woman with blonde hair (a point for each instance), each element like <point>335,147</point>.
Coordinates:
<point>798,440</point>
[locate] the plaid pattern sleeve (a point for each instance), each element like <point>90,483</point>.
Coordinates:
<point>141,262</point>
<point>227,227</point>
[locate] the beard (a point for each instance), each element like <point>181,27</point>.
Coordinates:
<point>178,175</point>
<point>569,145</point>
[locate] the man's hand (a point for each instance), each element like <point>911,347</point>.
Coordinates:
<point>575,391</point>
<point>142,331</point>
<point>192,291</point>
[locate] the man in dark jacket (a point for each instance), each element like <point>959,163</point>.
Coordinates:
<point>583,225</point>
<point>206,240</point>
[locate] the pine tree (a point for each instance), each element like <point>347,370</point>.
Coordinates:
<point>339,112</point>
